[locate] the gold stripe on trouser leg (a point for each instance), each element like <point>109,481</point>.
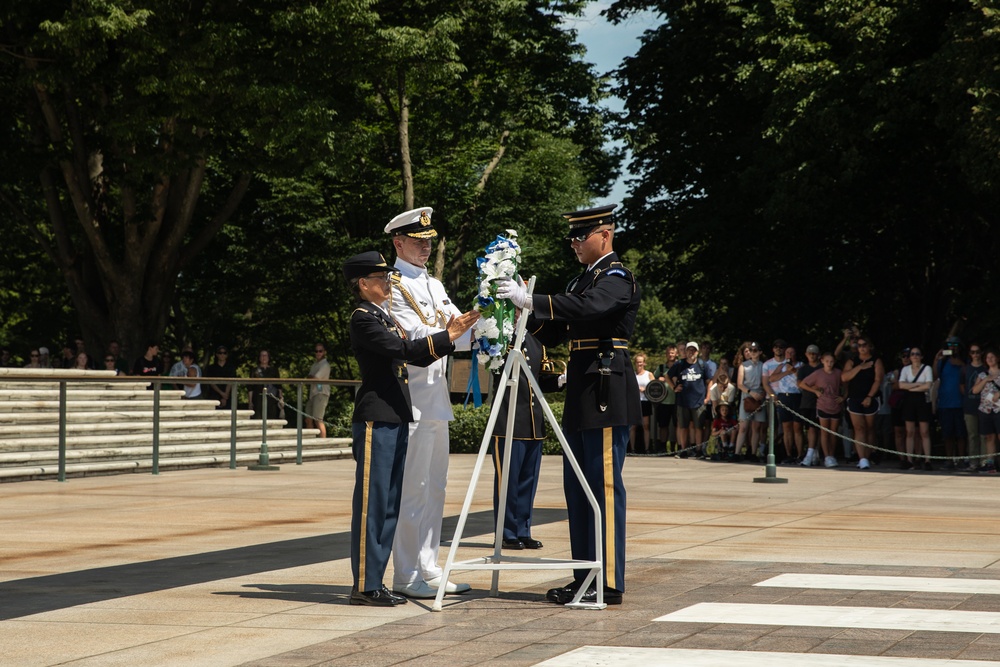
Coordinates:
<point>609,509</point>
<point>498,462</point>
<point>365,481</point>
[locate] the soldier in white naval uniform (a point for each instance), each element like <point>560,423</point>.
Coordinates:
<point>422,307</point>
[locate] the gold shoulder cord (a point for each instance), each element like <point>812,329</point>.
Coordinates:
<point>416,308</point>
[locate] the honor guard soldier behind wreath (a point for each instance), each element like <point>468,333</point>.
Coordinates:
<point>421,307</point>
<point>381,420</point>
<point>597,314</point>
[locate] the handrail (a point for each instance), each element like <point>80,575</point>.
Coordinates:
<point>64,377</point>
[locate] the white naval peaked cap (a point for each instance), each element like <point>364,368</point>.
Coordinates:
<point>415,223</point>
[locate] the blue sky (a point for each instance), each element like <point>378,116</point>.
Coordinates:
<point>607,45</point>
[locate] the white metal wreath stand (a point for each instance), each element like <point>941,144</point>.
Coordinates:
<point>511,378</point>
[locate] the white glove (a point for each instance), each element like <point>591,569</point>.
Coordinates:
<point>561,380</point>
<point>508,288</point>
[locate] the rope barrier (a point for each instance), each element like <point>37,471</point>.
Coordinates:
<point>876,447</point>
<point>703,446</point>
<point>282,403</point>
<point>779,404</point>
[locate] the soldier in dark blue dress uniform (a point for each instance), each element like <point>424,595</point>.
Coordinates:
<point>597,315</point>
<point>526,450</point>
<point>382,414</point>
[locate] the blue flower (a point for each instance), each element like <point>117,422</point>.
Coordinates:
<point>496,324</point>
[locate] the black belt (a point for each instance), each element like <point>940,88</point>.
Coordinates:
<point>598,344</point>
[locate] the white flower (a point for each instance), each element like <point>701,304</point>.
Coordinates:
<point>495,328</point>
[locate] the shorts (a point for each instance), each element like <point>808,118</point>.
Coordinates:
<point>989,423</point>
<point>828,415</point>
<point>665,413</point>
<point>855,408</point>
<point>316,407</point>
<point>647,408</point>
<point>809,416</point>
<point>952,422</point>
<point>916,408</point>
<point>792,401</point>
<point>690,416</point>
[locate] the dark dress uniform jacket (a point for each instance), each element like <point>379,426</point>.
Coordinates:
<point>382,352</point>
<point>597,313</point>
<point>529,419</point>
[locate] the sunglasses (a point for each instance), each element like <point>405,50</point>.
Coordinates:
<point>385,277</point>
<point>109,360</point>
<point>583,237</point>
<point>970,352</point>
<point>320,351</point>
<point>34,354</point>
<point>916,354</point>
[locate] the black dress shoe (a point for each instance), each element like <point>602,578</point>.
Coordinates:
<point>530,543</point>
<point>566,594</point>
<point>380,597</point>
<point>558,594</point>
<point>513,544</point>
<point>396,597</point>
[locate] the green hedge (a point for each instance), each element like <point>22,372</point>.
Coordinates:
<point>466,432</point>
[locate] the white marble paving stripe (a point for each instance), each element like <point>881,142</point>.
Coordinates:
<point>866,583</point>
<point>628,656</point>
<point>882,618</point>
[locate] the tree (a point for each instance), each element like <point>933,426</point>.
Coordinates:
<point>813,162</point>
<point>143,125</point>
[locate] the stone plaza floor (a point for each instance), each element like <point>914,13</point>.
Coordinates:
<point>218,567</point>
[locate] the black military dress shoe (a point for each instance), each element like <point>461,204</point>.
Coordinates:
<point>380,597</point>
<point>530,543</point>
<point>513,544</point>
<point>557,595</point>
<point>566,594</point>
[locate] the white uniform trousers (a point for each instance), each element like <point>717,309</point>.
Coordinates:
<point>421,510</point>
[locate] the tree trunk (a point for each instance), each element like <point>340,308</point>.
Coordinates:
<point>404,143</point>
<point>121,280</point>
<point>464,231</point>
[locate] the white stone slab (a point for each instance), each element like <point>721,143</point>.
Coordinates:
<point>866,583</point>
<point>627,656</point>
<point>882,618</point>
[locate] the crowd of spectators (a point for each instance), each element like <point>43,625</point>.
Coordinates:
<point>852,404</point>
<point>193,379</point>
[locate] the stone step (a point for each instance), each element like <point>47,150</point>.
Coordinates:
<point>138,413</point>
<point>90,394</point>
<point>109,429</point>
<point>166,437</point>
<point>10,386</point>
<point>102,405</point>
<point>51,374</point>
<point>276,457</point>
<point>49,457</point>
<point>133,426</point>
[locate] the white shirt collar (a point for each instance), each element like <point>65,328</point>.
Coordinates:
<point>591,267</point>
<point>410,270</point>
